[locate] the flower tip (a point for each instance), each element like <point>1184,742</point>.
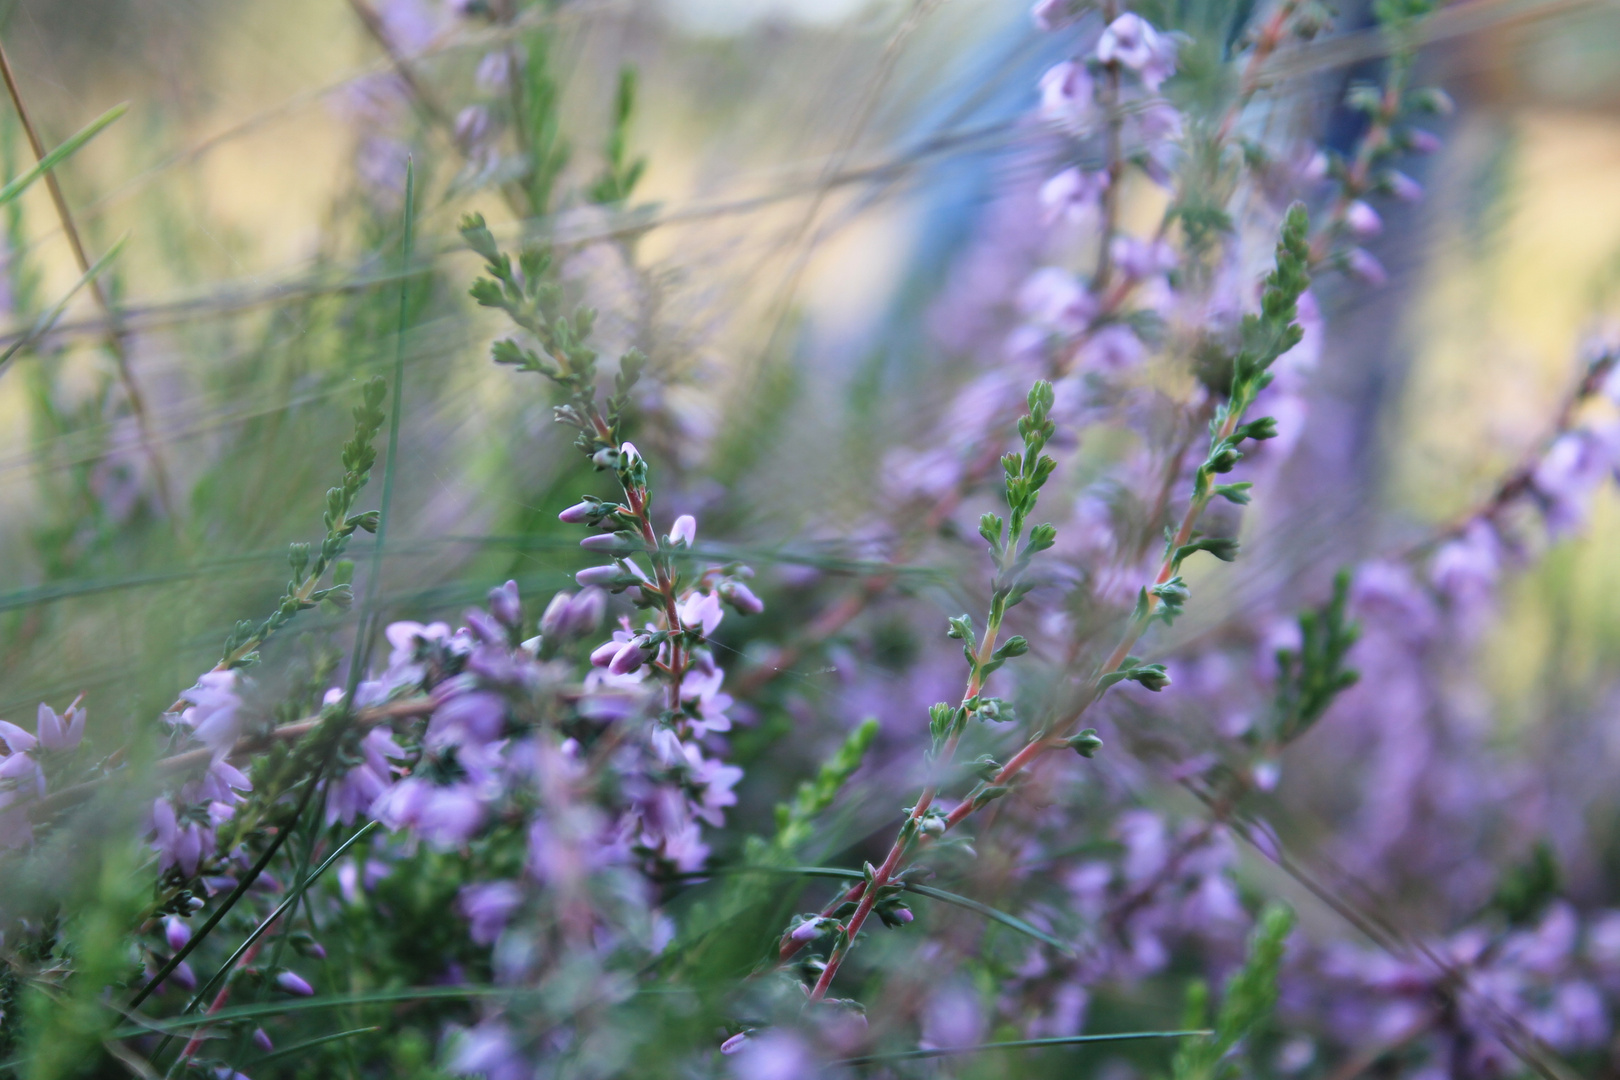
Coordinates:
<point>293,983</point>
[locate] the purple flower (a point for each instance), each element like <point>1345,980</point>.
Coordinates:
<point>1068,98</point>
<point>1140,259</point>
<point>261,1039</point>
<point>293,983</point>
<point>358,789</point>
<point>445,817</point>
<point>741,597</point>
<point>1073,195</point>
<point>1054,300</point>
<point>774,1055</point>
<point>1403,187</point>
<point>487,906</point>
<point>571,616</point>
<point>466,716</point>
<point>629,657</point>
<point>176,932</point>
<point>488,1050</point>
<point>735,1043</point>
<point>505,605</point>
<point>578,514</point>
<point>17,740</point>
<point>701,611</point>
<point>1363,220</point>
<point>1132,42</point>
<point>185,844</point>
<point>1465,569</point>
<point>212,715</point>
<point>1364,268</point>
<point>684,531</point>
<point>1051,14</point>
<point>1567,477</point>
<point>1114,348</point>
<point>60,732</point>
<point>472,126</point>
<point>599,575</point>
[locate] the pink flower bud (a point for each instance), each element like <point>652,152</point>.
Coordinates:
<point>1365,268</point>
<point>603,542</point>
<point>1423,142</point>
<point>598,575</point>
<point>902,915</point>
<point>262,1040</point>
<point>603,654</point>
<point>742,598</point>
<point>735,1043</point>
<point>1405,188</point>
<point>1317,168</point>
<point>629,658</point>
<point>577,514</point>
<point>176,933</point>
<point>1363,220</point>
<point>806,931</point>
<point>555,616</point>
<point>293,983</point>
<point>684,531</point>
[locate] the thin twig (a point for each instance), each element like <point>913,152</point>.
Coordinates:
<point>114,332</point>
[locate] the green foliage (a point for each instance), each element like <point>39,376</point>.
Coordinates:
<point>794,819</point>
<point>620,174</point>
<point>539,124</point>
<point>1309,679</point>
<point>1526,889</point>
<point>1246,1008</point>
<point>302,593</point>
<point>532,297</point>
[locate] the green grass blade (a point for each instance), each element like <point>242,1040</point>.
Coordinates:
<point>277,1008</point>
<point>22,183</point>
<point>310,1044</point>
<point>44,323</point>
<point>1019,1044</point>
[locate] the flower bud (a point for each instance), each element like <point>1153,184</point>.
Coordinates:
<point>603,654</point>
<point>293,983</point>
<point>742,598</point>
<point>1363,220</point>
<point>808,930</point>
<point>1423,142</point>
<point>604,542</point>
<point>505,605</point>
<point>262,1040</point>
<point>1365,268</point>
<point>176,933</point>
<point>555,617</point>
<point>1404,188</point>
<point>585,612</point>
<point>735,1043</point>
<point>629,658</point>
<point>598,575</point>
<point>684,531</point>
<point>578,514</point>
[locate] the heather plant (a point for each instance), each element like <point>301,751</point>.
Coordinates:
<point>613,686</point>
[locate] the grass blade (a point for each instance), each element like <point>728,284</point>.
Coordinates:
<point>68,148</point>
<point>310,1044</point>
<point>1019,1044</point>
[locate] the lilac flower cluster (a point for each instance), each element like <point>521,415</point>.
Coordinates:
<point>23,767</point>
